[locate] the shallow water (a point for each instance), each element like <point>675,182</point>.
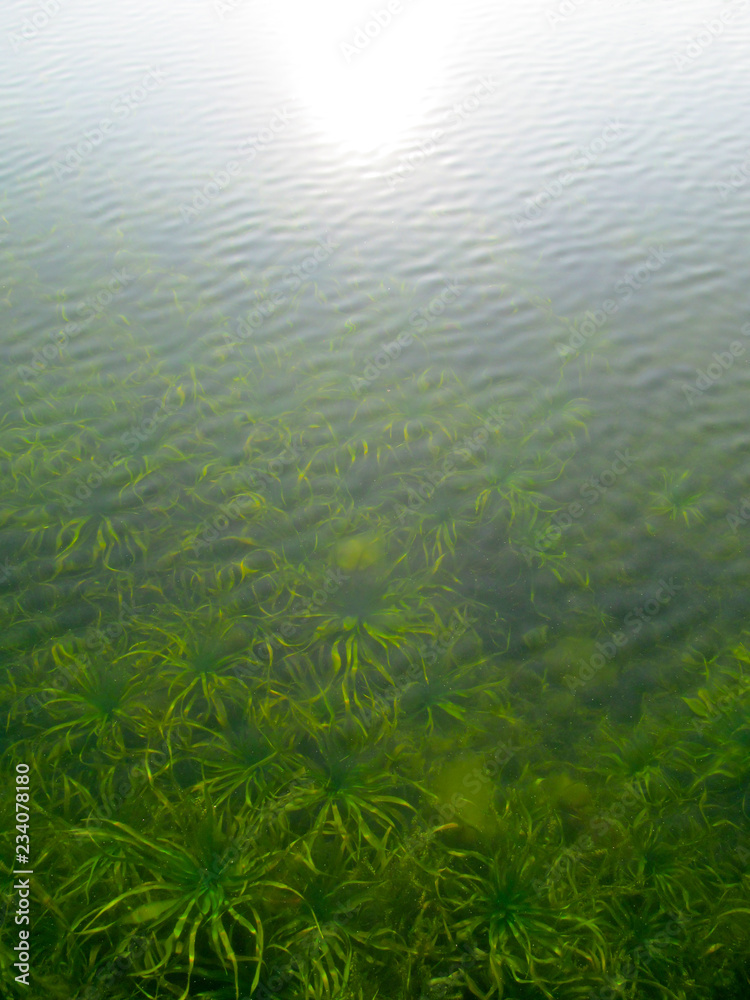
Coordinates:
<point>374,540</point>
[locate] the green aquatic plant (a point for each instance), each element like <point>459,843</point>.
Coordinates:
<point>446,687</point>
<point>438,524</point>
<point>418,406</point>
<point>647,860</point>
<point>518,477</point>
<point>348,792</point>
<point>676,498</point>
<point>503,905</point>
<point>198,656</point>
<point>714,749</point>
<point>203,881</point>
<point>643,759</point>
<point>373,616</point>
<point>332,925</point>
<point>646,945</point>
<point>102,707</point>
<point>536,537</point>
<point>519,937</point>
<point>238,763</point>
<point>275,761</point>
<point>313,698</point>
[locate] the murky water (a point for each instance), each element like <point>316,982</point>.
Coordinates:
<point>377,487</point>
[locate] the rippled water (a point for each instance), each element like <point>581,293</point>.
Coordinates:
<point>374,538</point>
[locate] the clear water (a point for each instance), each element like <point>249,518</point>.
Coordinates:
<point>375,523</point>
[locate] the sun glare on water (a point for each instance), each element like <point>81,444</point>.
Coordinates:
<point>364,70</point>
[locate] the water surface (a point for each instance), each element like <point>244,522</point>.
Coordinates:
<point>374,542</point>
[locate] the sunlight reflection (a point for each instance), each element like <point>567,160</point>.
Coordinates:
<point>365,69</point>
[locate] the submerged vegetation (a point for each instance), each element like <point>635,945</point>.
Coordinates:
<point>303,716</point>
